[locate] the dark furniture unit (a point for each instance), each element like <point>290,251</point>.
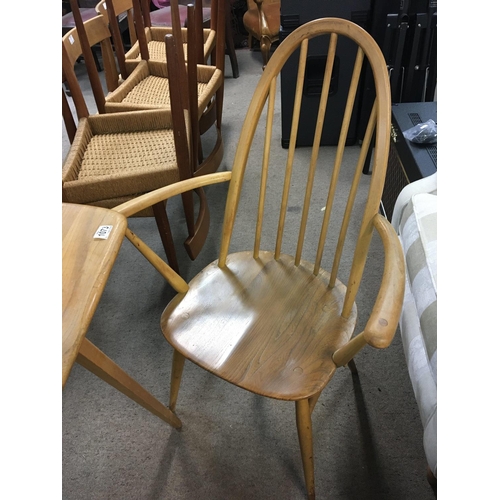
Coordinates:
<point>295,13</point>
<point>408,162</point>
<point>405,30</point>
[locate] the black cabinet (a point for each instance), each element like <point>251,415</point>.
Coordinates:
<point>295,13</point>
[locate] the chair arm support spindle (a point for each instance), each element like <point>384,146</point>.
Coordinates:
<point>343,355</point>
<point>160,265</point>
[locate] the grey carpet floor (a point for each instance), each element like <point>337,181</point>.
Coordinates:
<point>233,444</point>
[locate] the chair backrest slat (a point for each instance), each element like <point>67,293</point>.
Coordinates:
<point>198,27</point>
<point>352,194</point>
<point>293,139</point>
<point>179,107</point>
<point>89,58</point>
<point>265,166</point>
<point>316,144</point>
<point>140,29</point>
<point>339,156</point>
<point>111,10</point>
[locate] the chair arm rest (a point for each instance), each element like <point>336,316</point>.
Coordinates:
<point>383,321</point>
<point>131,207</point>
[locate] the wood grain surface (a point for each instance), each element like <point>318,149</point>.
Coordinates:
<point>86,264</point>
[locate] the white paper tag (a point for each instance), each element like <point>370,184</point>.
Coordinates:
<point>103,232</point>
<point>71,39</point>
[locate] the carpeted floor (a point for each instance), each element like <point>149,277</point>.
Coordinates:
<point>233,445</point>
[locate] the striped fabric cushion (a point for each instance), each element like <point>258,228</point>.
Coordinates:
<point>417,232</point>
<point>419,238</point>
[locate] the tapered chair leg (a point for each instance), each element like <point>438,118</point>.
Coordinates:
<point>304,428</point>
<point>175,379</point>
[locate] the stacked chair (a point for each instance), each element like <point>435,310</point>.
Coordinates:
<point>130,149</point>
<point>155,35</point>
<point>147,86</point>
<point>275,318</point>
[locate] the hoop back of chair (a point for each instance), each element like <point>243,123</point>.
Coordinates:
<point>252,138</point>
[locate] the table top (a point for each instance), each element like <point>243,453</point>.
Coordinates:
<point>87,261</point>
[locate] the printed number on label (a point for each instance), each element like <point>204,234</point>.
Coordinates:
<point>103,232</point>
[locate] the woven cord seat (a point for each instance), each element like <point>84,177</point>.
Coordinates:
<point>103,166</point>
<point>148,88</point>
<point>143,87</point>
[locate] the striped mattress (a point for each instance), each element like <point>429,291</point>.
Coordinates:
<point>415,221</point>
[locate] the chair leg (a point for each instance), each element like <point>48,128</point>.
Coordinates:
<point>94,360</point>
<point>304,428</point>
<point>265,48</point>
<point>159,210</point>
<point>175,378</point>
<point>230,41</point>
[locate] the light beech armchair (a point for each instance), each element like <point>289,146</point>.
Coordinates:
<point>276,318</point>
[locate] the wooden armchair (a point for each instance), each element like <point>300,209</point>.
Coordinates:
<point>262,21</point>
<point>275,317</point>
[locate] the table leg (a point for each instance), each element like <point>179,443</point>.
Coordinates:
<point>99,364</point>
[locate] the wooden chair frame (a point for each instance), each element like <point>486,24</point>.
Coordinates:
<point>230,335</point>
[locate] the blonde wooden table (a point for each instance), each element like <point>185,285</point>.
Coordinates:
<point>87,261</point>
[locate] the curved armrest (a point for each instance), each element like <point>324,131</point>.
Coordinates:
<point>381,326</point>
<point>146,200</point>
<point>149,199</point>
<point>383,321</point>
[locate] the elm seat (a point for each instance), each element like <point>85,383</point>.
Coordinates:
<point>242,296</point>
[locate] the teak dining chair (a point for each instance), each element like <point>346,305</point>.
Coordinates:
<point>147,87</point>
<point>277,320</point>
<point>117,156</point>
